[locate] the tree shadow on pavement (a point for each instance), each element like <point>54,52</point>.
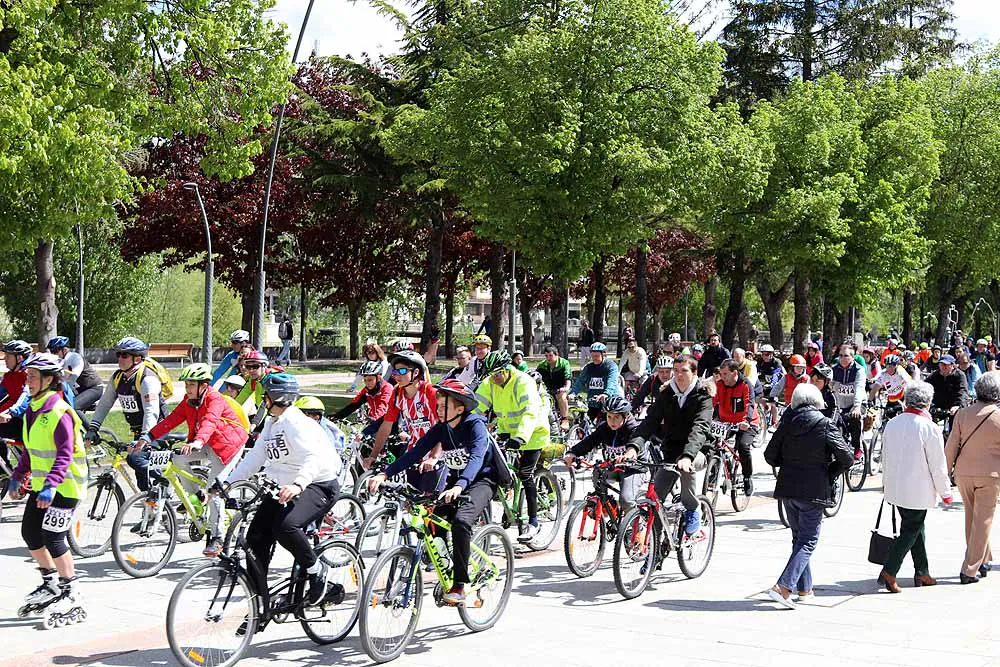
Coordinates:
<point>108,570</point>
<point>749,525</point>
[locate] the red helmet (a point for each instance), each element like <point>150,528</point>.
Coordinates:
<point>797,360</point>
<point>255,355</point>
<point>459,392</point>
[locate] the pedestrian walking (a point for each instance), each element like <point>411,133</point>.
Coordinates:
<point>285,334</point>
<point>810,452</point>
<point>913,476</point>
<point>973,452</point>
<point>584,341</point>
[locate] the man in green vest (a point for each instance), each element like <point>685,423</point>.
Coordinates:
<point>55,456</point>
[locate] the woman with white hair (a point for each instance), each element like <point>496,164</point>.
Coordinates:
<point>913,476</point>
<point>809,451</point>
<point>973,452</point>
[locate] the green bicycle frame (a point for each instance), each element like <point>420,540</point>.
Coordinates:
<point>173,475</point>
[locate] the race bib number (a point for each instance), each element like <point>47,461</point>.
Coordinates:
<point>128,403</point>
<point>277,449</point>
<point>845,389</point>
<point>596,384</point>
<point>720,429</point>
<point>457,459</point>
<point>614,452</point>
<point>159,460</point>
<point>57,519</point>
<point>420,424</point>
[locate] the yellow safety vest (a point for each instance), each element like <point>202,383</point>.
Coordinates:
<point>40,442</point>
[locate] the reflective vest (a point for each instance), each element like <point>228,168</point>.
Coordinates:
<point>39,440</point>
<point>518,408</point>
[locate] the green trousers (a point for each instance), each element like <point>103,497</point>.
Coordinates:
<point>910,540</point>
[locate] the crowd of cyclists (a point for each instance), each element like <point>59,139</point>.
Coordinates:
<point>450,438</point>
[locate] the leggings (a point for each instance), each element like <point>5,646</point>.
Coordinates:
<point>285,524</point>
<point>31,525</point>
<point>526,473</point>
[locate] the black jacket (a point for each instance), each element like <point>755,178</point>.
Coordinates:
<point>682,431</point>
<point>949,390</point>
<point>649,388</point>
<point>712,358</point>
<point>810,452</point>
<point>612,443</point>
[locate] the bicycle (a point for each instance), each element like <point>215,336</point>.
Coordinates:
<point>145,530</point>
<point>828,512</point>
<point>222,604</point>
<point>855,475</point>
<point>7,465</point>
<point>393,590</point>
<point>593,523</point>
<point>724,472</point>
<point>514,507</point>
<point>639,547</point>
<point>874,453</point>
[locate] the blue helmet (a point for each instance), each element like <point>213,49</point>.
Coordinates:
<point>132,346</point>
<point>57,343</point>
<point>598,347</point>
<point>282,388</point>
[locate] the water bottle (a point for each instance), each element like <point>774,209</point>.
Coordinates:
<point>442,549</point>
<point>196,502</point>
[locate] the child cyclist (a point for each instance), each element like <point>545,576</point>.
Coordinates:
<point>475,469</point>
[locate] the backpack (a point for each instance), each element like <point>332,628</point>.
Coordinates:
<point>501,471</point>
<point>166,384</point>
<point>283,330</point>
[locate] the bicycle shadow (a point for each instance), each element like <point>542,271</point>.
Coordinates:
<point>749,525</point>
<point>556,583</point>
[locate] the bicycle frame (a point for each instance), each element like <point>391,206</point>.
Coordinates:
<point>172,475</point>
<point>603,502</point>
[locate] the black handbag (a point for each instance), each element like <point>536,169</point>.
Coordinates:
<point>879,545</point>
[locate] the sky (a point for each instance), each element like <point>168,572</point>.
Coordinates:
<point>350,28</point>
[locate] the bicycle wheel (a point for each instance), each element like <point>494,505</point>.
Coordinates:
<point>330,621</point>
<point>367,498</point>
<point>711,486</point>
<point>376,534</point>
<point>874,454</point>
<point>390,604</point>
<point>491,568</point>
<point>781,513</point>
<point>636,551</point>
<point>856,474</point>
<point>695,551</point>
<point>344,519</point>
<point>574,435</point>
<point>737,492</point>
<point>94,519</point>
<point>567,480</point>
<point>585,540</point>
<point>206,611</point>
<point>838,498</point>
<point>550,510</point>
<point>142,545</point>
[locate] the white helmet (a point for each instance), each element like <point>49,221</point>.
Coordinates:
<point>239,336</point>
<point>767,348</point>
<point>674,338</point>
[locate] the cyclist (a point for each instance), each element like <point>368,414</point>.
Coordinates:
<point>518,362</point>
<point>412,412</point>
<point>230,389</point>
<point>256,368</point>
<point>293,451</point>
<point>15,353</point>
<point>849,390</point>
<point>923,354</point>
<point>747,366</point>
<point>972,373</point>
<point>783,388</point>
<point>54,455</point>
<point>872,366</point>
<point>372,352</point>
<point>633,366</point>
<point>599,378</point>
<point>950,392</point>
<point>215,436</point>
<point>893,379</point>
<point>481,346</point>
<point>813,356</point>
<point>769,371</point>
<point>891,347</point>
<point>313,407</point>
<point>558,378</point>
<point>79,375</point>
<point>520,420</point>
<point>376,394</point>
<point>713,355</point>
<point>910,365</point>
<point>931,365</point>
<point>239,342</point>
<point>822,377</point>
<point>655,382</point>
<point>735,400</point>
<point>475,467</point>
<point>983,358</point>
<point>463,357</point>
<point>614,437</point>
<point>681,418</point>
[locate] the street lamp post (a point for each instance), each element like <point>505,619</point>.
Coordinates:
<point>206,341</point>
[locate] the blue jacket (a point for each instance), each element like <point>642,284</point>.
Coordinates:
<point>467,451</point>
<point>597,379</point>
<point>225,368</point>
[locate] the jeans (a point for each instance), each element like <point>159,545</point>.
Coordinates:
<point>804,518</point>
<point>664,481</point>
<point>910,540</point>
<point>139,462</point>
<point>286,351</point>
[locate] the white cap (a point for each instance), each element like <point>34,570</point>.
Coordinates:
<point>235,380</point>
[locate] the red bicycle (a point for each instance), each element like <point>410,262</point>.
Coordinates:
<point>594,522</point>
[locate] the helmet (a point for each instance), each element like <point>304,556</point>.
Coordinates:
<point>516,352</point>
<point>674,338</point>
<point>892,360</point>
<point>57,343</point>
<point>698,347</point>
<point>908,354</point>
<point>282,389</point>
<point>196,373</point>
<point>402,346</point>
<point>370,368</point>
<point>132,346</point>
<point>599,347</point>
<point>981,341</point>
<point>494,362</point>
<point>459,392</point>
<point>239,336</point>
<point>310,404</point>
<point>923,346</point>
<point>665,362</point>
<point>617,404</point>
<point>256,355</point>
<point>44,363</point>
<point>823,371</point>
<point>868,350</point>
<point>535,375</point>
<point>235,380</point>
<point>483,339</point>
<point>797,360</point>
<point>17,347</point>
<point>409,358</point>
<point>766,348</point>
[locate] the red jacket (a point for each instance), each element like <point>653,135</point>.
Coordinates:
<point>378,402</point>
<point>812,361</point>
<point>791,382</point>
<point>213,422</point>
<point>736,403</point>
<point>13,382</point>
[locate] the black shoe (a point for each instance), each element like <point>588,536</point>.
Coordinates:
<point>317,586</point>
<point>747,486</point>
<point>984,569</point>
<point>965,579</point>
<point>335,594</point>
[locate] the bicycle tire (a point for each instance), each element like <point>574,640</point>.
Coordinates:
<point>373,598</point>
<point>575,537</point>
<point>875,442</point>
<point>737,494</point>
<point>567,480</point>
<point>377,527</point>
<point>707,542</point>
<point>108,502</point>
<point>344,518</point>
<point>781,513</point>
<point>196,656</point>
<point>483,540</point>
<point>124,557</point>
<point>838,499</point>
<point>346,568</point>
<point>625,547</point>
<point>712,474</point>
<point>550,510</point>
<point>856,474</point>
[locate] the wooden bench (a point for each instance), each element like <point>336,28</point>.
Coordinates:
<point>177,351</point>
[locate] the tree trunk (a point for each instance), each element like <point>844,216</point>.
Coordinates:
<point>803,314</point>
<point>600,299</point>
<point>432,304</point>
<point>558,307</point>
<point>498,288</point>
<point>302,322</point>
<point>354,315</point>
<point>737,289</point>
<point>527,335</point>
<point>449,317</point>
<point>908,316</point>
<point>743,326</point>
<point>641,305</point>
<point>773,302</point>
<point>840,328</point>
<point>709,311</point>
<point>48,312</point>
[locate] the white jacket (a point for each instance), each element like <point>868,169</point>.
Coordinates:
<point>292,449</point>
<point>913,463</point>
<point>635,361</point>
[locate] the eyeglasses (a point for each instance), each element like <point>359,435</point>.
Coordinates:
<point>400,371</point>
<point>251,367</point>
<point>123,355</point>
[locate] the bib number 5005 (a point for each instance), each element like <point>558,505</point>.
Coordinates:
<point>57,519</point>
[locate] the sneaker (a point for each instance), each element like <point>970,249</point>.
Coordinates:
<point>779,597</point>
<point>455,597</point>
<point>692,521</point>
<point>858,455</point>
<point>747,486</point>
<point>317,585</point>
<point>528,533</point>
<point>213,548</point>
<point>805,597</point>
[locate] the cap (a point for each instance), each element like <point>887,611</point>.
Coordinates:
<point>937,347</point>
<point>981,341</point>
<point>947,359</point>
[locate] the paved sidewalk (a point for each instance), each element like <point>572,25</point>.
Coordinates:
<point>555,618</point>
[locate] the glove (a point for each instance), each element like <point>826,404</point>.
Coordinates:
<point>46,494</point>
<point>92,435</point>
<point>515,443</point>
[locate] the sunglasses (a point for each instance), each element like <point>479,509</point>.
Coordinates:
<point>400,371</point>
<point>253,366</point>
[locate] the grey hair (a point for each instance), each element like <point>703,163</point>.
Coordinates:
<point>918,395</point>
<point>988,387</point>
<point>807,394</point>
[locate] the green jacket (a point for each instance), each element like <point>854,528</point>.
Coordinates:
<point>252,388</point>
<point>518,409</point>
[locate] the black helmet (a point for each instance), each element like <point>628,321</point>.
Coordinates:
<point>823,371</point>
<point>617,404</point>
